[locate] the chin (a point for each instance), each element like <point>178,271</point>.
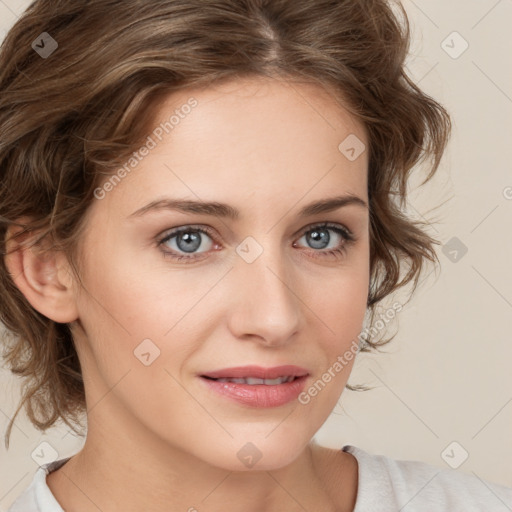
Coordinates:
<point>256,452</point>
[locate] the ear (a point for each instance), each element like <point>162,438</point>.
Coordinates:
<point>43,276</point>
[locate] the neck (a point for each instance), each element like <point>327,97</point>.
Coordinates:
<point>124,473</point>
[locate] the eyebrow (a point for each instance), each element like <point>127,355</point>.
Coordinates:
<point>224,210</point>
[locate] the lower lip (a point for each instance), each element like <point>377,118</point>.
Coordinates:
<point>259,395</point>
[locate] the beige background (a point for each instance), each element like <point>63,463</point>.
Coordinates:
<point>446,377</point>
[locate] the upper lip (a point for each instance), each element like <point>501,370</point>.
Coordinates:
<point>257,372</point>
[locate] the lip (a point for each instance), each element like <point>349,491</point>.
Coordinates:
<point>258,372</point>
<point>258,395</point>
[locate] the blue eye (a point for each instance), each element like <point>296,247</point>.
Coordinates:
<point>187,240</point>
<point>319,237</point>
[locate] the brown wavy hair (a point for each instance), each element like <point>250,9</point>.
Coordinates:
<point>68,120</point>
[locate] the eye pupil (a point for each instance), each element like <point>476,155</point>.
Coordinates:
<point>320,238</point>
<point>193,241</point>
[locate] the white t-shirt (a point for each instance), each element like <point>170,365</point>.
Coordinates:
<point>385,485</point>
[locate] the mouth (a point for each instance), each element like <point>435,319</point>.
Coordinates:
<point>256,386</point>
<point>253,375</point>
<point>252,381</point>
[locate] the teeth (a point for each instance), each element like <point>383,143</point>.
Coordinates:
<point>253,380</point>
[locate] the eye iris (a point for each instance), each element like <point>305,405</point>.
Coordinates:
<point>192,241</point>
<point>319,236</point>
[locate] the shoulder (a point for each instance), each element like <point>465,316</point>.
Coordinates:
<point>37,497</point>
<point>392,484</point>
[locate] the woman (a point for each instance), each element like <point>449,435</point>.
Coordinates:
<point>197,219</point>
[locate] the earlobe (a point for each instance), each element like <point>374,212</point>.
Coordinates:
<point>43,279</point>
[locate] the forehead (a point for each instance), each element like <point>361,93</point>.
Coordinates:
<point>263,108</point>
<point>246,137</point>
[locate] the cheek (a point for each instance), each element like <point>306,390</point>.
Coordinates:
<point>134,314</point>
<point>341,304</point>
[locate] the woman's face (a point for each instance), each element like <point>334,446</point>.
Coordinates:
<point>266,287</point>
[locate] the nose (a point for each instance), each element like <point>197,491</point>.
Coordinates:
<point>265,306</point>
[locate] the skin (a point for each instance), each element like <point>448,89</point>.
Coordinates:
<point>158,439</point>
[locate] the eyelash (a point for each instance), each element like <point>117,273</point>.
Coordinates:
<point>346,235</point>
